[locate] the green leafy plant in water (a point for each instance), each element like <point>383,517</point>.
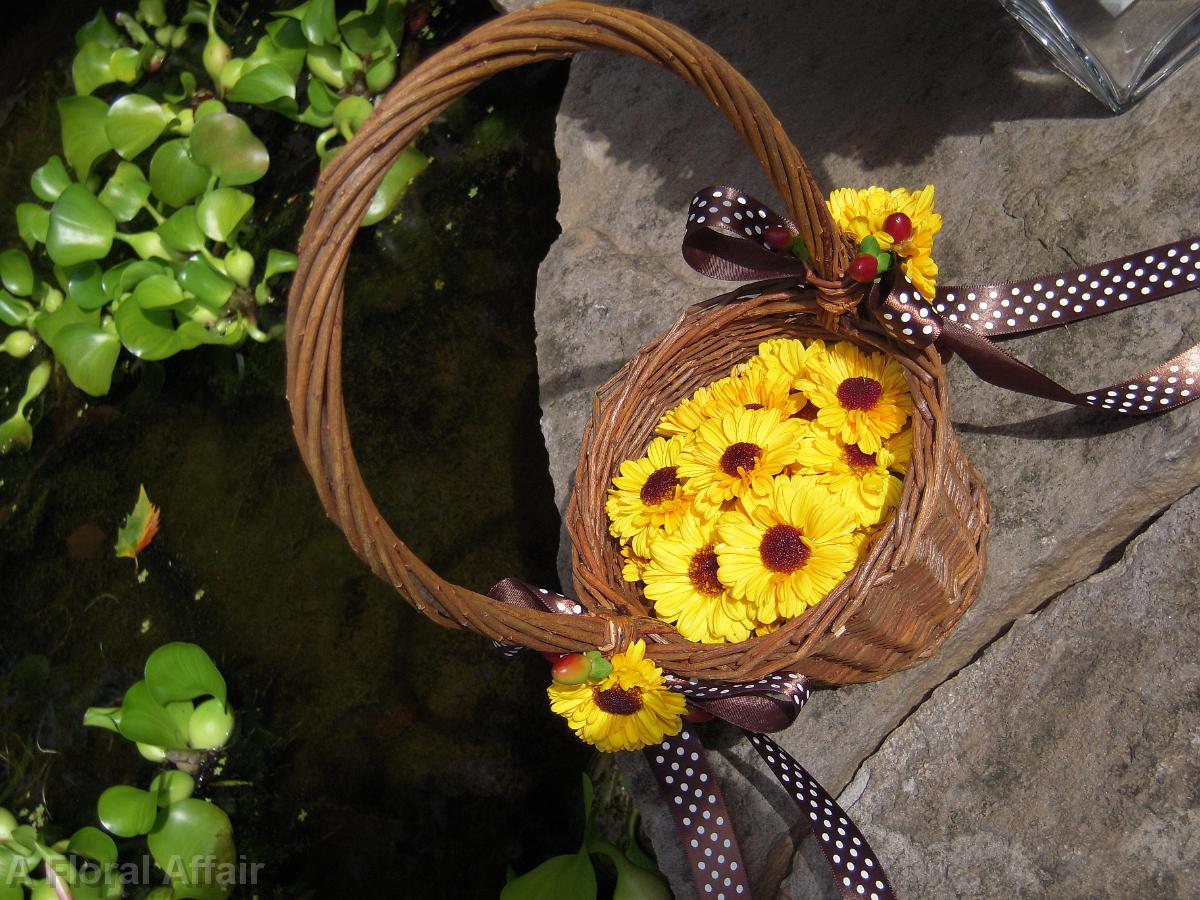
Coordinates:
<point>573,874</point>
<point>137,238</point>
<point>178,714</point>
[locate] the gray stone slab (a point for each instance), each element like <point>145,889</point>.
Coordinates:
<point>1032,175</point>
<point>1063,762</point>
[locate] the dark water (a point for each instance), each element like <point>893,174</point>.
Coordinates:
<point>385,755</point>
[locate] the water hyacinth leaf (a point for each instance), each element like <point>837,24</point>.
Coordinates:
<point>90,68</point>
<point>33,222</point>
<point>326,63</point>
<point>80,228</point>
<point>126,192</point>
<point>320,97</point>
<point>183,671</point>
<point>350,113</point>
<point>187,87</point>
<point>181,231</point>
<point>106,717</point>
<point>158,292</point>
<point>50,179</point>
<point>83,137</point>
<point>279,262</point>
<point>145,720</point>
<point>147,245</point>
<point>89,354</point>
<point>205,283</point>
<point>100,31</point>
<point>17,432</point>
<point>560,876</point>
<point>226,146</point>
<point>68,313</point>
<point>126,64</point>
<point>264,85</point>
<point>172,786</point>
<point>14,312</point>
<point>129,275</point>
<point>319,22</point>
<point>175,178</point>
<point>364,31</point>
<point>381,73</point>
<point>192,334</point>
<point>134,123</point>
<point>408,165</point>
<point>8,890</point>
<point>222,211</point>
<point>127,811</point>
<point>93,843</point>
<point>288,58</point>
<point>152,13</point>
<point>196,842</point>
<point>16,272</point>
<point>147,334</point>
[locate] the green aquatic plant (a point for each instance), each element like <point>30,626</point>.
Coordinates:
<point>178,715</point>
<point>142,233</point>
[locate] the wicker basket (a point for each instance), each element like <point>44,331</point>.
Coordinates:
<point>920,574</point>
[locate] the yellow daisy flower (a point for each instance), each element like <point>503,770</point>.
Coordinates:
<point>861,481</point>
<point>628,709</point>
<point>681,579</point>
<point>648,495</point>
<point>788,551</point>
<point>634,564</point>
<point>684,419</point>
<point>900,446</point>
<point>861,397</point>
<point>862,213</point>
<point>737,454</point>
<point>790,355</point>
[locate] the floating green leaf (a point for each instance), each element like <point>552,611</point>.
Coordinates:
<point>17,432</point>
<point>83,136</point>
<point>99,30</point>
<point>68,313</point>
<point>127,811</point>
<point>279,262</point>
<point>85,287</point>
<point>147,245</point>
<point>90,69</point>
<point>175,178</point>
<point>152,12</point>
<point>145,720</point>
<point>222,211</point>
<point>183,671</point>
<point>106,717</point>
<point>326,64</point>
<point>195,843</point>
<point>134,123</point>
<point>193,333</point>
<point>558,877</point>
<point>80,228</point>
<point>126,192</point>
<point>158,292</point>
<point>381,73</point>
<point>147,334</point>
<point>364,32</point>
<point>126,64</point>
<point>408,165</point>
<point>181,231</point>
<point>32,223</point>
<point>14,312</point>
<point>172,786</point>
<point>16,272</point>
<point>267,85</point>
<point>125,277</point>
<point>94,844</point>
<point>206,284</point>
<point>187,87</point>
<point>50,179</point>
<point>320,22</point>
<point>89,354</point>
<point>225,145</point>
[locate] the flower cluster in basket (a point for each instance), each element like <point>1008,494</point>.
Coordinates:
<point>763,488</point>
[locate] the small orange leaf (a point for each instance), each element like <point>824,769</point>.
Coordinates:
<point>139,529</point>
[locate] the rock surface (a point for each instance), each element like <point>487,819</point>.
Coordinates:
<point>1079,746</point>
<point>1033,176</point>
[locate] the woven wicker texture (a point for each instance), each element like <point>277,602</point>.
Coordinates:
<point>894,608</point>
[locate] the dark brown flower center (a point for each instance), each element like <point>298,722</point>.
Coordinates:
<point>754,406</point>
<point>859,393</point>
<point>703,572</point>
<point>808,413</point>
<point>618,700</point>
<point>782,549</point>
<point>857,460</point>
<point>740,456</point>
<point>659,486</point>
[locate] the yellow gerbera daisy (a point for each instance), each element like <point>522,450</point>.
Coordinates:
<point>684,419</point>
<point>861,397</point>
<point>861,481</point>
<point>628,709</point>
<point>789,355</point>
<point>648,495</point>
<point>634,564</point>
<point>738,454</point>
<point>862,213</point>
<point>681,579</point>
<point>788,551</point>
<point>900,446</point>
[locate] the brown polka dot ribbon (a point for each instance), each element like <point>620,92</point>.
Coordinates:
<point>693,796</point>
<point>725,238</point>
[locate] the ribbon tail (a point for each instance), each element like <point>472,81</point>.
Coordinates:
<point>855,866</point>
<point>698,809</point>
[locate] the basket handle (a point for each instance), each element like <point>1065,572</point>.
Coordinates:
<point>315,303</point>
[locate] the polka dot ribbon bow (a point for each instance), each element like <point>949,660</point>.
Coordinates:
<point>725,239</point>
<point>692,794</point>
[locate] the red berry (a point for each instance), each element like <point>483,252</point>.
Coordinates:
<point>573,668</point>
<point>864,268</point>
<point>899,226</point>
<point>777,237</point>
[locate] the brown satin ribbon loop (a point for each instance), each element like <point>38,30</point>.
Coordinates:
<point>965,319</point>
